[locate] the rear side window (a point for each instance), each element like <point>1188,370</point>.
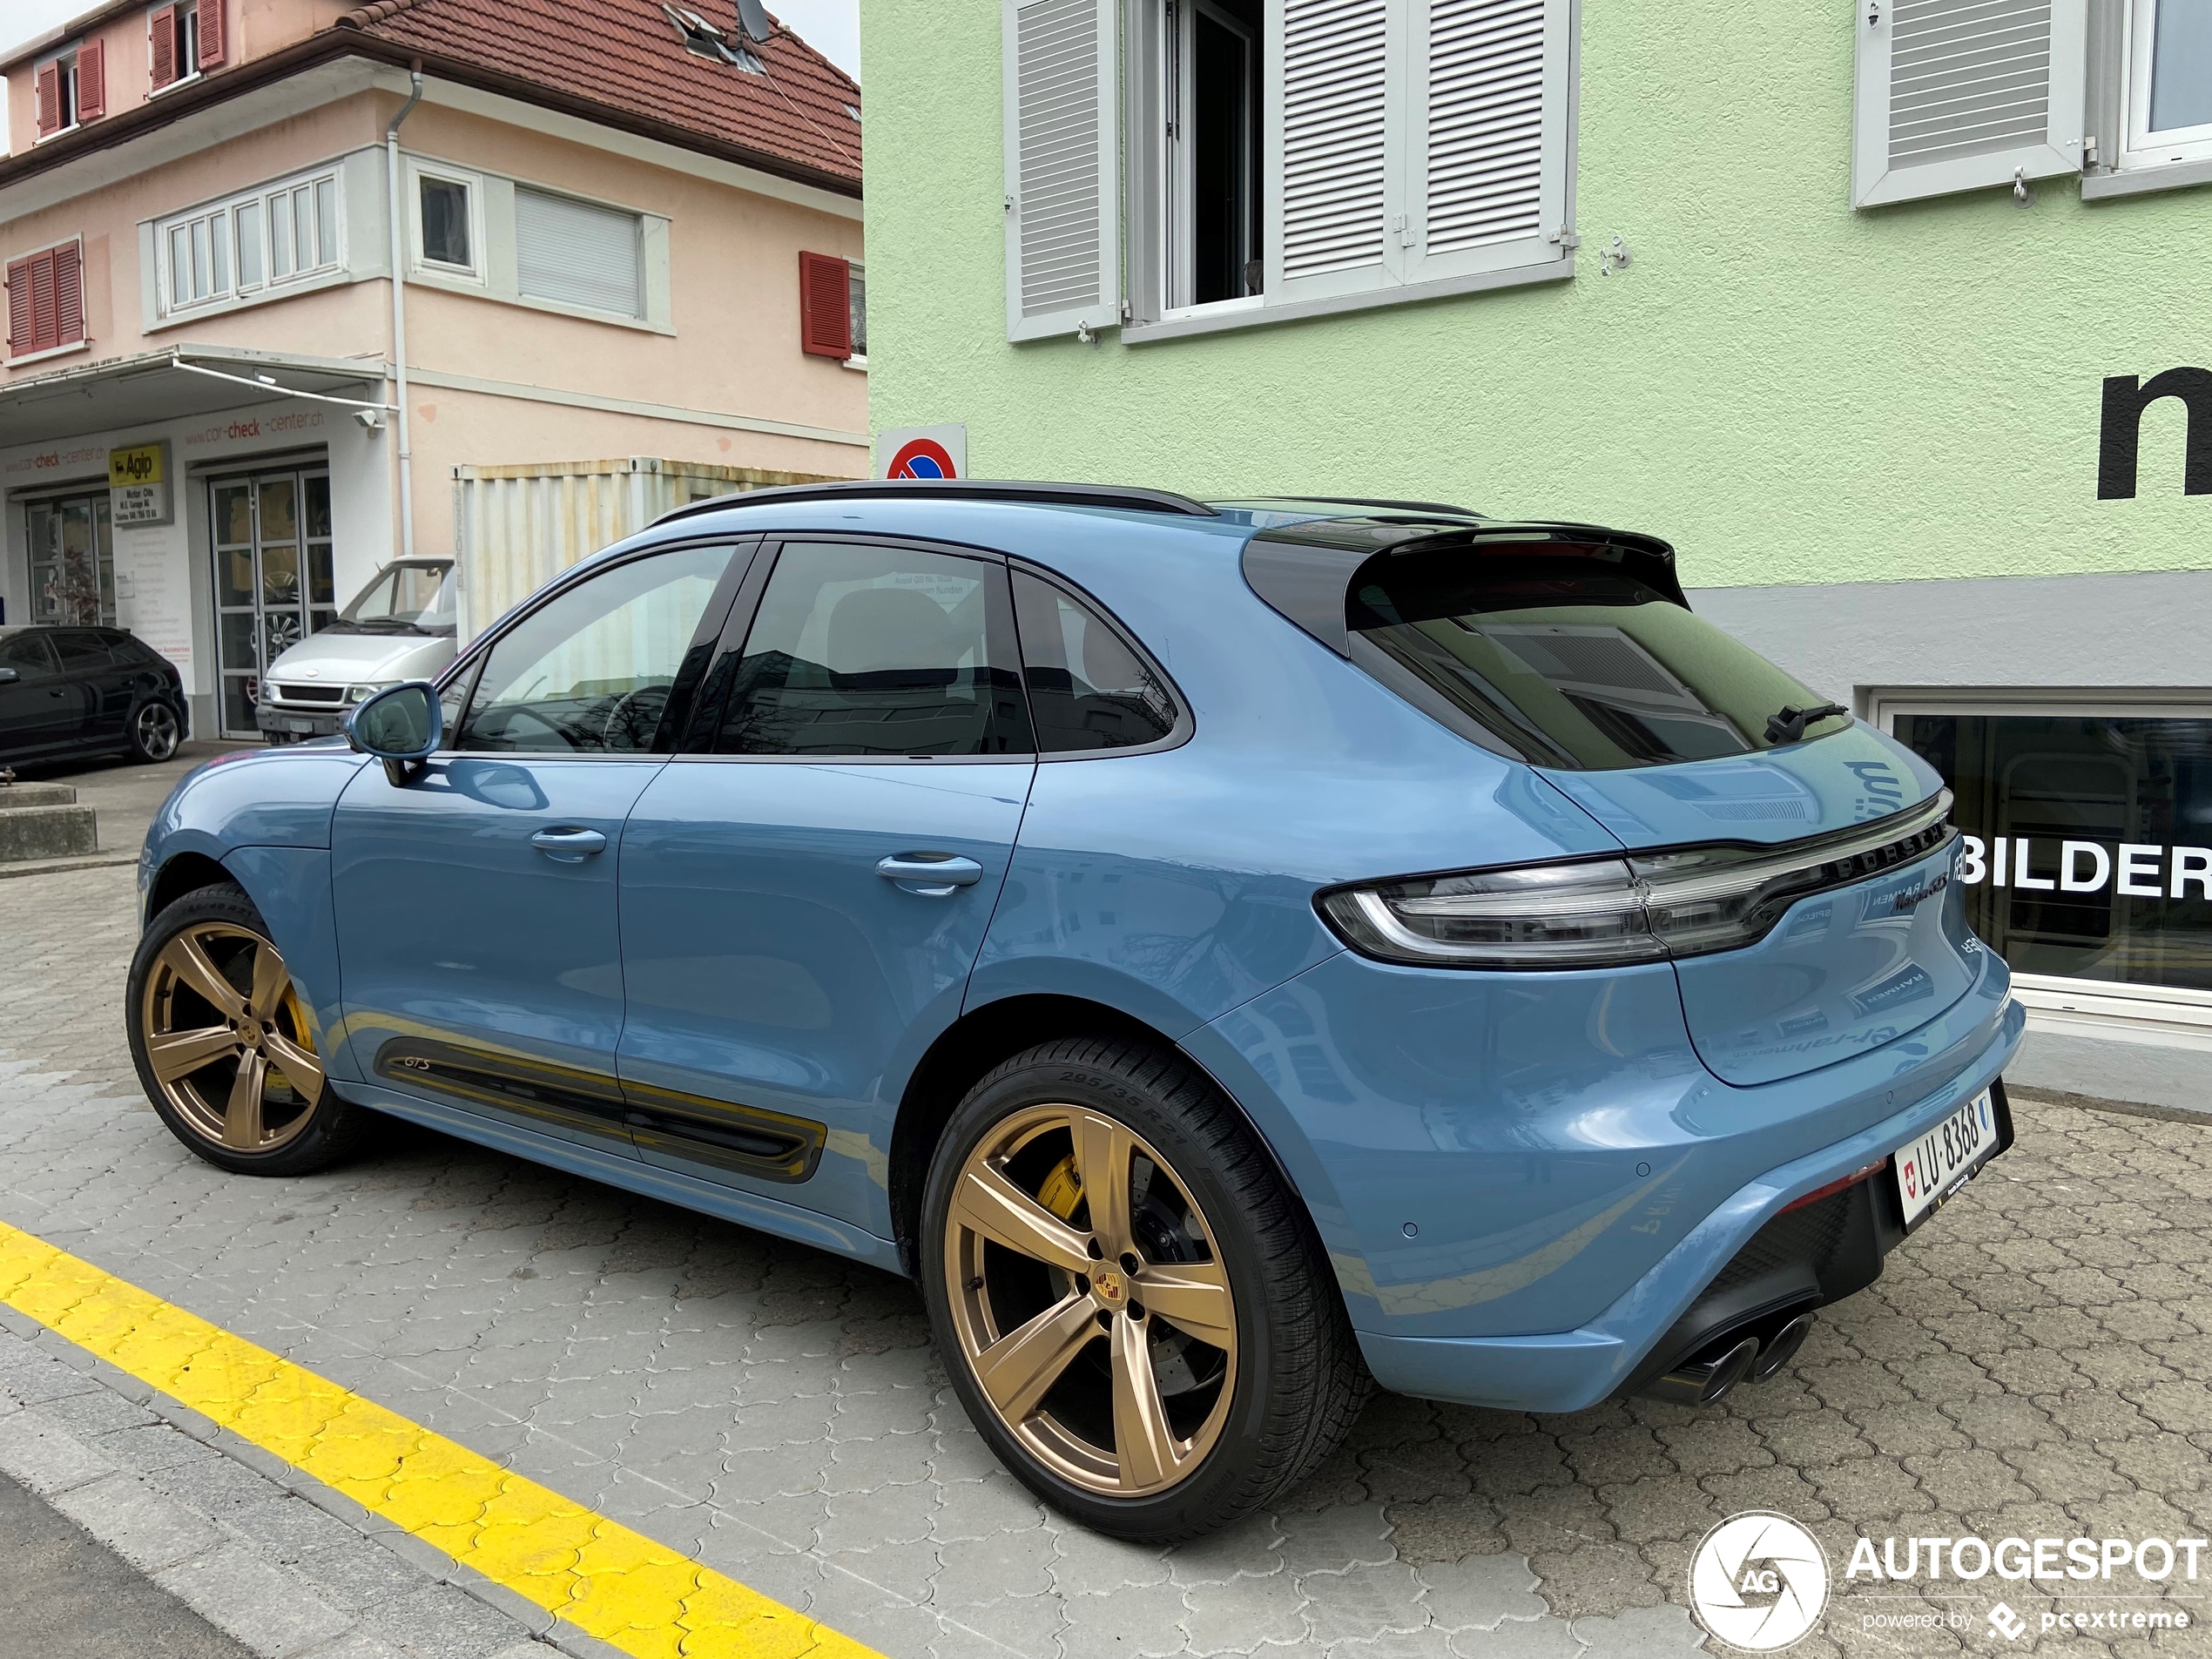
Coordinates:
<point>1089,689</point>
<point>864,650</point>
<point>1572,661</point>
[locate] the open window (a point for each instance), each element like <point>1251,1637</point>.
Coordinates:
<point>1211,181</point>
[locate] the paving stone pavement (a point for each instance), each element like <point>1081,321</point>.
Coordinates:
<point>2034,1363</point>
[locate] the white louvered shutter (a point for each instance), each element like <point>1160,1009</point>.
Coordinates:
<point>1487,176</point>
<point>1063,266</point>
<point>1963,94</point>
<point>1332,146</point>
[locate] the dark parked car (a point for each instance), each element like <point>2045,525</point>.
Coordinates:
<point>68,692</point>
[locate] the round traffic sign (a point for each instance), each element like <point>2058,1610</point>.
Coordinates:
<point>923,458</point>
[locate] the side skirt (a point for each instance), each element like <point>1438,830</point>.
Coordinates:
<point>670,1186</point>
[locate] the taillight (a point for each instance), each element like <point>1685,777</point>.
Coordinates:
<point>1604,913</point>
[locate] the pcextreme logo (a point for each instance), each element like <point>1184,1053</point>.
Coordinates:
<point>1759,1581</point>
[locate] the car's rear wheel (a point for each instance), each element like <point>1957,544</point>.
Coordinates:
<point>155,730</point>
<point>1136,1314</point>
<point>223,1043</point>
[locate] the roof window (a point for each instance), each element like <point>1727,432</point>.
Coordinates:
<point>702,39</point>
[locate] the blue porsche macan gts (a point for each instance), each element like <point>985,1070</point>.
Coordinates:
<point>1231,955</point>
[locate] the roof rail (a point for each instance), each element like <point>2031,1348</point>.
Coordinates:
<point>1372,501</point>
<point>1113,495</point>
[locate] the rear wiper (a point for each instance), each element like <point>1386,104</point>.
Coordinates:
<point>1789,725</point>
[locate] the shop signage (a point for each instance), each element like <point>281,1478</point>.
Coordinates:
<point>2144,871</point>
<point>138,485</point>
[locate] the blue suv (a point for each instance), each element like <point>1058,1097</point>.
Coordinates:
<point>1231,955</point>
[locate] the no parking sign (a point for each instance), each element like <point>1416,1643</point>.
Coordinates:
<point>923,451</point>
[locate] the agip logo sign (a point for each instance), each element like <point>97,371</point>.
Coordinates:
<point>138,485</point>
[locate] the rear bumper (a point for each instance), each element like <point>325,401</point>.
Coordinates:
<point>1656,1318</point>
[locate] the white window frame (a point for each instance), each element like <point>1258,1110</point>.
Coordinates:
<point>268,285</point>
<point>418,263</point>
<point>1408,276</point>
<point>856,272</point>
<point>2141,148</point>
<point>2171,1015</point>
<point>188,68</point>
<point>67,58</point>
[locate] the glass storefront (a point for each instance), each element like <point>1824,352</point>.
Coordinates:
<point>72,561</point>
<point>2088,838</point>
<point>273,584</point>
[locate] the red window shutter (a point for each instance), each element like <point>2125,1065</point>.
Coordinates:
<point>825,306</point>
<point>210,33</point>
<point>69,295</point>
<point>49,100</point>
<point>162,31</point>
<point>45,320</point>
<point>19,324</point>
<point>91,80</point>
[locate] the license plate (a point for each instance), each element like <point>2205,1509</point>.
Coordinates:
<point>1933,1167</point>
<point>299,726</point>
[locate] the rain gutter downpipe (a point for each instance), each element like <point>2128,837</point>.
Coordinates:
<point>399,312</point>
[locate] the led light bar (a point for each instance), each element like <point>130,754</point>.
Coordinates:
<point>1600,913</point>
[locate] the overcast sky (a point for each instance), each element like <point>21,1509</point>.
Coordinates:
<point>833,27</point>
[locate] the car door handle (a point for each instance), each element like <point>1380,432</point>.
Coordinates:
<point>933,875</point>
<point>568,846</point>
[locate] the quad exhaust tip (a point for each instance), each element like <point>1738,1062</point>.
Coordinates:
<point>1707,1382</point>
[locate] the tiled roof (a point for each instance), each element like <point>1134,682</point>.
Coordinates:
<point>627,56</point>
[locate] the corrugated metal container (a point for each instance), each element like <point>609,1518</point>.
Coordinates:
<point>517,528</point>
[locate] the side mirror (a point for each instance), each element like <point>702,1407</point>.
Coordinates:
<point>402,727</point>
<point>9,676</point>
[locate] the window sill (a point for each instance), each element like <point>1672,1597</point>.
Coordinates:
<point>51,352</point>
<point>163,91</point>
<point>1263,316</point>
<point>267,294</point>
<point>556,308</point>
<point>2141,180</point>
<point>858,360</point>
<point>58,132</point>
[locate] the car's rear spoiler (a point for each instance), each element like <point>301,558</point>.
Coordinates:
<point>1305,570</point>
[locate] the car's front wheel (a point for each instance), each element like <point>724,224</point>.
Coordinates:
<point>223,1043</point>
<point>1136,1314</point>
<point>155,731</point>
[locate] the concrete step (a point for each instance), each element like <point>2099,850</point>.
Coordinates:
<point>37,795</point>
<point>57,832</point>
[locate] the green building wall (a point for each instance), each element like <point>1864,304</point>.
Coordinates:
<point>1790,391</point>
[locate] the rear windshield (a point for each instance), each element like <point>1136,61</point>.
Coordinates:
<point>1572,661</point>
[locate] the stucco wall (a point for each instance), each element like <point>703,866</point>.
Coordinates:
<point>1790,391</point>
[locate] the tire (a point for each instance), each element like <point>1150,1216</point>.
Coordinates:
<point>155,732</point>
<point>199,969</point>
<point>1222,1427</point>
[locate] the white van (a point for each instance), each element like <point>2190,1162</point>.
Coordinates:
<point>400,627</point>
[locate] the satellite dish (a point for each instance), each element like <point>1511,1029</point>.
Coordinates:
<point>753,17</point>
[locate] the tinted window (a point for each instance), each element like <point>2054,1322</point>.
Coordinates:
<point>871,651</point>
<point>29,656</point>
<point>591,671</point>
<point>1573,660</point>
<point>82,651</point>
<point>1087,688</point>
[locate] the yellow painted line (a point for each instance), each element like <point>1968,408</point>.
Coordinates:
<point>640,1596</point>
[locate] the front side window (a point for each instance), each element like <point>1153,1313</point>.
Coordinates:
<point>2169,93</point>
<point>869,651</point>
<point>2088,838</point>
<point>29,655</point>
<point>1569,659</point>
<point>592,671</point>
<point>1089,689</point>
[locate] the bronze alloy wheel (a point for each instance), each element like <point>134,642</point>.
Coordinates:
<point>227,1039</point>
<point>1089,1301</point>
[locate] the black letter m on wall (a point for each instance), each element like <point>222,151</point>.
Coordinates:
<point>2120,433</point>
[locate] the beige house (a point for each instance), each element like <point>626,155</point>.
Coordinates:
<point>627,229</point>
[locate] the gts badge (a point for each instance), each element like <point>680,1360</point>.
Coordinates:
<point>1912,898</point>
<point>411,1061</point>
